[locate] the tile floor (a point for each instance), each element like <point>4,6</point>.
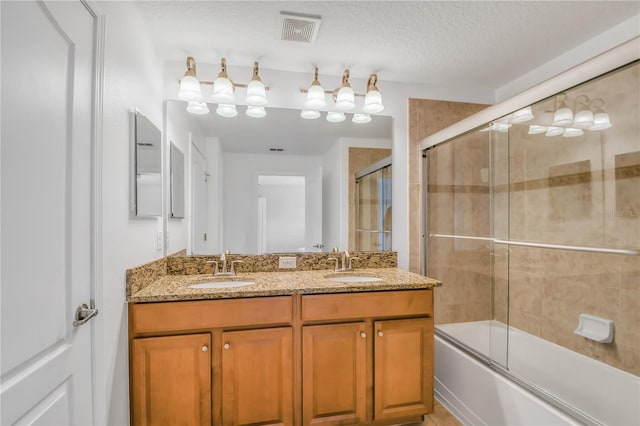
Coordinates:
<point>439,417</point>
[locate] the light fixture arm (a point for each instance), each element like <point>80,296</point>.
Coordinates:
<point>345,79</point>
<point>256,76</point>
<point>371,83</point>
<point>577,101</point>
<point>223,68</point>
<point>191,67</point>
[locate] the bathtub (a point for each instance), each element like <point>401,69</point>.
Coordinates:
<point>543,383</point>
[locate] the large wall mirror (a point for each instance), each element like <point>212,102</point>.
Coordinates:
<point>146,174</point>
<point>276,184</point>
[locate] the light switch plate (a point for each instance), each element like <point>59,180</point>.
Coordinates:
<point>287,262</point>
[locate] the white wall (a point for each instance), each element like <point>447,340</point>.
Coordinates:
<point>214,195</point>
<point>132,78</point>
<point>239,206</point>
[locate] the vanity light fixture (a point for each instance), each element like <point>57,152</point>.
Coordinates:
<point>535,129</point>
<point>522,115</point>
<point>189,84</point>
<point>223,87</point>
<point>361,118</point>
<point>373,98</point>
<point>335,116</point>
<point>554,131</point>
<point>572,132</point>
<point>309,114</point>
<point>256,111</point>
<point>601,119</point>
<point>583,118</point>
<point>256,92</point>
<point>226,110</point>
<point>223,92</point>
<point>315,94</point>
<point>563,114</point>
<point>198,108</point>
<point>344,99</point>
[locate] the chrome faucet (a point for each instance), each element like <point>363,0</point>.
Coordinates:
<point>341,261</point>
<point>223,259</point>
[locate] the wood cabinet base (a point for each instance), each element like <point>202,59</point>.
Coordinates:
<point>301,360</point>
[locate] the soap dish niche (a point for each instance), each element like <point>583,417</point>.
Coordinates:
<point>595,328</point>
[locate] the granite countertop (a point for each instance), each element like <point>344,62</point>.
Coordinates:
<point>175,287</point>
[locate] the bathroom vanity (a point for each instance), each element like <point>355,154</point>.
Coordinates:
<point>293,348</point>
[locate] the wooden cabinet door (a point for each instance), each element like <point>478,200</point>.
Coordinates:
<point>257,377</point>
<point>171,380</point>
<point>403,368</point>
<point>334,365</point>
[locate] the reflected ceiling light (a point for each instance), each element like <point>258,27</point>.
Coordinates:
<point>572,132</point>
<point>226,110</point>
<point>310,114</point>
<point>373,98</point>
<point>345,97</point>
<point>535,129</point>
<point>256,111</point>
<point>315,94</point>
<point>499,127</point>
<point>223,87</point>
<point>198,108</point>
<point>554,131</point>
<point>256,91</point>
<point>361,118</point>
<point>563,114</point>
<point>522,115</point>
<point>189,84</point>
<point>600,119</point>
<point>583,118</point>
<point>335,117</point>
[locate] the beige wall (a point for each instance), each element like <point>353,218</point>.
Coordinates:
<point>582,191</point>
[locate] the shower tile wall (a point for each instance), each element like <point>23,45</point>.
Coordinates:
<point>581,191</point>
<point>458,204</point>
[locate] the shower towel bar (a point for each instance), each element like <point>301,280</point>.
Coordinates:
<point>627,252</point>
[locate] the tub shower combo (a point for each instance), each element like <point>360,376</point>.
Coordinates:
<point>532,222</point>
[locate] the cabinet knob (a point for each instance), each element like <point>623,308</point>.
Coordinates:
<point>205,348</point>
<point>363,335</point>
<point>380,333</point>
<point>226,346</point>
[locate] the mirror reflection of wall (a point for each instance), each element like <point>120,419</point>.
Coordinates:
<point>237,150</point>
<point>146,188</point>
<point>177,183</point>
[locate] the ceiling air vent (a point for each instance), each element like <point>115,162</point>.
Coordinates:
<point>298,27</point>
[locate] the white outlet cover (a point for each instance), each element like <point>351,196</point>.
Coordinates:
<point>287,262</point>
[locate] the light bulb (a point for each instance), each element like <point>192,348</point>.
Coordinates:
<point>223,91</point>
<point>190,89</point>
<point>373,102</point>
<point>256,93</point>
<point>256,111</point>
<point>554,131</point>
<point>345,99</point>
<point>315,98</point>
<point>198,108</point>
<point>522,115</point>
<point>535,129</point>
<point>361,118</point>
<point>227,110</point>
<point>571,132</point>
<point>335,117</point>
<point>600,121</point>
<point>309,114</point>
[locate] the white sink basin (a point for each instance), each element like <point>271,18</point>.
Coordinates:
<point>353,278</point>
<point>222,284</point>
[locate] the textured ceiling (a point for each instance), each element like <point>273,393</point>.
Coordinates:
<point>444,43</point>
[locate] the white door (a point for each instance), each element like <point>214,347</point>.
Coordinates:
<point>198,202</point>
<point>46,176</point>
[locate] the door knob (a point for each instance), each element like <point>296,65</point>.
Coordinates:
<point>363,335</point>
<point>226,346</point>
<point>205,348</point>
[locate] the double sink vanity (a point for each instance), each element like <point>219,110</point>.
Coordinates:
<point>269,346</point>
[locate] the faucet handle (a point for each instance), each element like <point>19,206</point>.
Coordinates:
<point>233,266</point>
<point>350,267</point>
<point>337,263</point>
<point>216,271</point>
